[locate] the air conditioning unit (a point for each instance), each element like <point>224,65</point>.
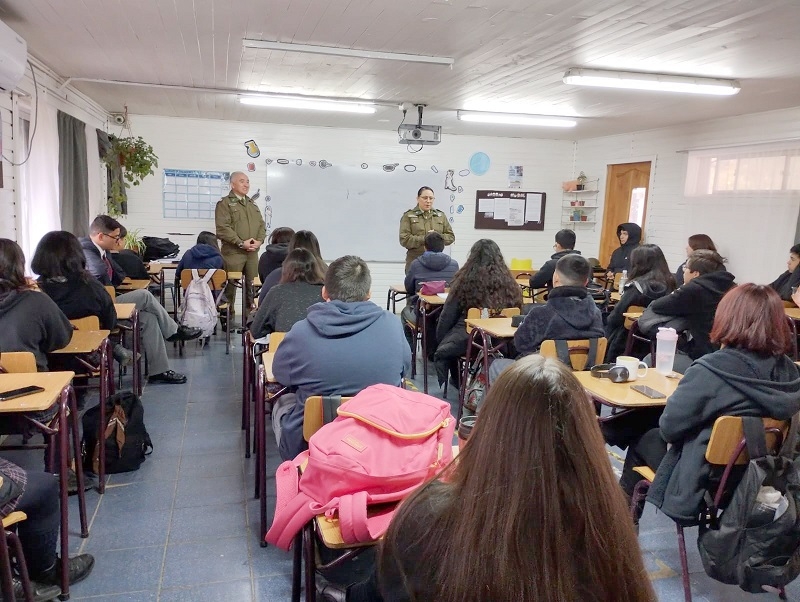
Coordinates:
<point>13,57</point>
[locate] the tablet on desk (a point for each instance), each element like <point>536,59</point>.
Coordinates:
<point>21,392</point>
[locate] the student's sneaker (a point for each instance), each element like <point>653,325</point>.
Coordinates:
<point>41,592</point>
<point>79,568</point>
<point>185,333</point>
<point>330,592</point>
<point>170,377</point>
<point>123,355</point>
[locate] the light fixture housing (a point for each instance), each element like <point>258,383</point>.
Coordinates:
<point>307,103</point>
<point>347,52</point>
<point>517,119</point>
<point>661,82</point>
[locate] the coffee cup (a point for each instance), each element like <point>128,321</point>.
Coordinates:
<point>465,426</point>
<point>634,366</point>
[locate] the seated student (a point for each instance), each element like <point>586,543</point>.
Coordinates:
<point>433,264</point>
<point>130,261</point>
<point>696,243</point>
<point>275,252</point>
<point>649,278</point>
<point>288,302</point>
<point>156,324</point>
<point>791,277</point>
<point>36,494</point>
<point>629,236</point>
<point>529,512</point>
<point>565,245</point>
<point>343,346</point>
<point>29,319</point>
<point>302,239</point>
<point>749,376</point>
<point>204,255</point>
<point>484,281</point>
<point>61,265</point>
<point>705,282</point>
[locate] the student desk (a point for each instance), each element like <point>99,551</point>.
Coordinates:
<point>397,292</point>
<point>57,390</point>
<point>486,336</point>
<point>792,312</point>
<point>427,307</point>
<point>615,296</point>
<point>620,395</point>
<point>128,285</point>
<point>82,346</point>
<point>516,273</point>
<point>128,311</point>
<point>793,316</point>
<point>156,273</point>
<point>633,315</point>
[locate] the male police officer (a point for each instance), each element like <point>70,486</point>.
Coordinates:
<point>241,229</point>
<point>417,222</point>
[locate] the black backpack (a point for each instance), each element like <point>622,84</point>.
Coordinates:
<point>127,441</point>
<point>747,546</point>
<point>159,248</point>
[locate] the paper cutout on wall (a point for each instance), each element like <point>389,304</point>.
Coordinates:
<point>479,163</point>
<point>312,163</point>
<point>268,161</point>
<point>251,167</point>
<point>298,162</point>
<point>256,195</point>
<point>390,166</point>
<point>410,168</point>
<point>452,221</point>
<point>283,161</point>
<point>460,209</point>
<point>434,169</point>
<point>460,189</point>
<point>451,209</point>
<point>364,166</point>
<point>268,198</point>
<point>324,164</point>
<point>452,197</point>
<point>463,173</point>
<point>448,180</point>
<point>252,149</point>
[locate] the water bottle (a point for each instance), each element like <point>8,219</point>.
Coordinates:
<point>623,279</point>
<point>666,342</point>
<point>484,313</point>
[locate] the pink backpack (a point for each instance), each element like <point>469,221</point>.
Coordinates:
<point>384,443</point>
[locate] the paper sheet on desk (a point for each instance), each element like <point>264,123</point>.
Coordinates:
<point>442,295</point>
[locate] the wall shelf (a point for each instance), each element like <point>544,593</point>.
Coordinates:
<point>578,207</point>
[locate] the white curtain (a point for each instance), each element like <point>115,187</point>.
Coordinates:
<point>747,199</point>
<point>39,200</point>
<point>96,196</point>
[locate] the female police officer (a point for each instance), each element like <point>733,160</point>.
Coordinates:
<point>420,220</point>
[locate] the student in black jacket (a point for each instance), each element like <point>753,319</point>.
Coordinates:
<point>565,245</point>
<point>629,236</point>
<point>649,279</point>
<point>791,277</point>
<point>696,242</point>
<point>275,252</point>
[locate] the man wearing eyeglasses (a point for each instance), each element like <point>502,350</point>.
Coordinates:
<point>156,324</point>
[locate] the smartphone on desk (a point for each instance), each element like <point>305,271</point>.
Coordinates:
<point>648,391</point>
<point>21,392</point>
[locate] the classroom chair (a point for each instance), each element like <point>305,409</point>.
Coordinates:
<point>578,354</point>
<point>10,542</point>
<point>726,448</point>
<point>217,284</point>
<point>635,335</point>
<point>521,264</point>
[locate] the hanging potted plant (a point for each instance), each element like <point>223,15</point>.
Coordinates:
<point>581,180</point>
<point>131,160</point>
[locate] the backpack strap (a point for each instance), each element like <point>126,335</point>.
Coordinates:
<point>592,354</point>
<point>206,277</point>
<point>330,404</point>
<point>562,350</point>
<point>754,436</point>
<point>353,522</point>
<point>292,507</point>
<point>789,447</point>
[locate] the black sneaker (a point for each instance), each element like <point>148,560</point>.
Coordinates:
<point>72,482</point>
<point>123,356</point>
<point>185,333</point>
<point>79,568</point>
<point>41,591</point>
<point>170,377</point>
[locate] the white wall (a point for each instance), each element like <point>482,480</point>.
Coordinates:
<point>219,145</point>
<point>754,232</point>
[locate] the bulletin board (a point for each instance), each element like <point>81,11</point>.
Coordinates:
<point>509,210</point>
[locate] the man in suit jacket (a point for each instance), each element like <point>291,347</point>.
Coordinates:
<point>156,324</point>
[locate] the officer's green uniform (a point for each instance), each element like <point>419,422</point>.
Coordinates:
<point>415,224</point>
<point>237,221</point>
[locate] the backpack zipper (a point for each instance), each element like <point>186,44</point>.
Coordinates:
<point>427,433</point>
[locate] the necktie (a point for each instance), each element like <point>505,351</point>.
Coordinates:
<point>109,269</point>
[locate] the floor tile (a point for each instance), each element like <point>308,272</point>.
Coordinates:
<point>113,529</point>
<point>269,561</point>
<point>232,591</point>
<point>212,442</point>
<point>120,571</point>
<point>128,597</point>
<point>276,587</point>
<point>156,467</point>
<point>152,495</point>
<point>203,522</point>
<point>206,561</point>
<point>210,491</point>
<point>211,465</point>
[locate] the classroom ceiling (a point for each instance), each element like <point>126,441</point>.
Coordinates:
<point>510,56</point>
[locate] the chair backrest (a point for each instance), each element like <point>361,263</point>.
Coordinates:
<point>275,339</point>
<point>521,264</point>
<point>578,352</point>
<point>111,291</point>
<point>217,282</point>
<point>17,361</point>
<point>474,313</point>
<point>789,304</point>
<point>87,323</point>
<point>632,309</point>
<point>727,434</point>
<point>313,415</point>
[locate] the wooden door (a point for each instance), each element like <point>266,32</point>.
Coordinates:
<point>625,201</point>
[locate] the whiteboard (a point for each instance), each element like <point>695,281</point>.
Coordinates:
<point>353,210</point>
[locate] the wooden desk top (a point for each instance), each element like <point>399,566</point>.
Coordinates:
<point>133,285</point>
<point>398,288</point>
<point>633,315</point>
<point>124,310</point>
<point>234,275</point>
<point>792,312</point>
<point>85,341</point>
<point>257,281</point>
<point>615,296</point>
<point>516,273</point>
<point>621,395</point>
<point>496,327</point>
<point>266,359</point>
<point>52,382</point>
<point>433,299</point>
<point>154,268</point>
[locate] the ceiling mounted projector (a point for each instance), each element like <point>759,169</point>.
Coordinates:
<point>418,134</point>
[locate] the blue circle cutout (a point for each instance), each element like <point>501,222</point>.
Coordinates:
<point>479,163</point>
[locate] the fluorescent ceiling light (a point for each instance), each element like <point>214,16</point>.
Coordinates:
<point>312,104</point>
<point>517,119</point>
<point>348,52</point>
<point>651,81</point>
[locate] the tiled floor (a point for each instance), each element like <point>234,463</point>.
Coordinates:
<point>184,526</point>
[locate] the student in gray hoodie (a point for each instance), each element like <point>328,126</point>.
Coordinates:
<point>749,376</point>
<point>343,346</point>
